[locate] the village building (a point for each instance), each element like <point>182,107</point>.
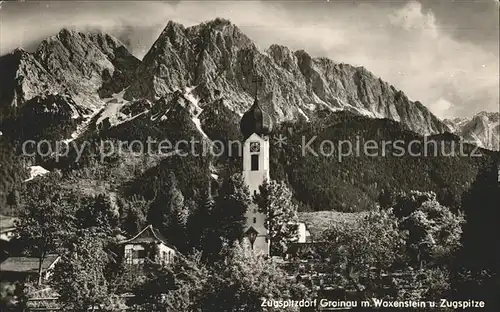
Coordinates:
<point>7,227</point>
<point>303,235</point>
<point>7,230</point>
<point>15,269</point>
<point>148,246</point>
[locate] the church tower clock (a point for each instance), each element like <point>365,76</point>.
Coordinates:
<point>256,126</point>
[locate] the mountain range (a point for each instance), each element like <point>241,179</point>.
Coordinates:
<point>199,80</point>
<point>483,129</point>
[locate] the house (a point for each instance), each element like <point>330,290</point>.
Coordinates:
<point>148,245</point>
<point>15,269</point>
<point>303,234</point>
<point>7,227</point>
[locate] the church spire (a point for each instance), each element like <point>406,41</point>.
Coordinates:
<point>256,120</point>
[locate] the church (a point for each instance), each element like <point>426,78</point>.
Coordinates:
<point>256,126</point>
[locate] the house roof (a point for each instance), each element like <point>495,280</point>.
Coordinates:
<point>7,223</point>
<point>148,235</point>
<point>26,264</point>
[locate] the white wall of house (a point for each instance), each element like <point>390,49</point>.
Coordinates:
<point>50,269</point>
<point>303,234</point>
<point>131,250</point>
<point>165,254</point>
<point>6,235</point>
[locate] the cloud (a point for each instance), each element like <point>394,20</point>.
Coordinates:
<point>441,107</point>
<point>401,42</point>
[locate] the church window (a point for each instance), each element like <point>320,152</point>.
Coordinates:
<point>255,162</point>
<point>254,220</point>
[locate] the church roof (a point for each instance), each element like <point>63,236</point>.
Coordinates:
<point>255,120</point>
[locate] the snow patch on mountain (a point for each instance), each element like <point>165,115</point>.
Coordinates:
<point>112,109</point>
<point>36,171</point>
<point>194,101</point>
<point>302,113</point>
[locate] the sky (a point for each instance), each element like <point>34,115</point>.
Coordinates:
<point>443,53</point>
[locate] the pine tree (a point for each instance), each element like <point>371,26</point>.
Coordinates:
<point>133,215</point>
<point>230,208</point>
<point>224,217</point>
<point>98,212</point>
<point>199,223</point>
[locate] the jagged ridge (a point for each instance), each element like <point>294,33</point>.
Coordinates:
<point>483,129</point>
<point>217,57</point>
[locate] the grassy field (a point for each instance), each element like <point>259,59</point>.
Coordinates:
<point>318,222</point>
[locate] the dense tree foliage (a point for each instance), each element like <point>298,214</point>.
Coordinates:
<point>79,277</point>
<point>354,182</point>
<point>403,252</point>
<point>478,265</point>
<point>275,201</point>
<point>433,232</point>
<point>362,251</point>
<point>45,222</point>
<point>237,283</point>
<point>133,214</point>
<point>226,219</point>
<point>12,173</point>
<point>98,212</point>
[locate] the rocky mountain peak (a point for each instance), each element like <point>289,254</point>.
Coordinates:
<point>282,56</point>
<point>22,78</point>
<point>218,58</point>
<point>483,129</point>
<point>20,53</point>
<point>91,65</point>
<point>209,61</point>
<point>66,32</point>
<point>492,117</point>
<point>220,31</point>
<point>174,33</point>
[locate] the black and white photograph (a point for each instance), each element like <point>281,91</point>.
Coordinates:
<point>249,156</point>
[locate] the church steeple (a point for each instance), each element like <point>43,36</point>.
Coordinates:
<point>255,120</point>
<point>255,126</point>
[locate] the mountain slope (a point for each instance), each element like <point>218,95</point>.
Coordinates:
<point>483,129</point>
<point>193,84</point>
<point>22,78</point>
<point>92,66</point>
<point>401,161</point>
<point>218,58</point>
